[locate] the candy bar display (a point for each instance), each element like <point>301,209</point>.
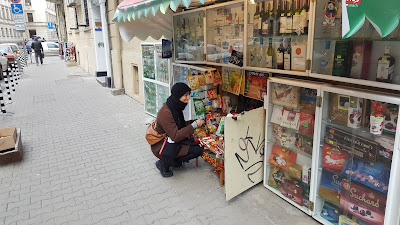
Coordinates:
<point>356,156</point>
<point>156,79</point>
<point>290,139</point>
<point>225,32</point>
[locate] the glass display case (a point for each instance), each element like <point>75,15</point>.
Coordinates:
<point>156,77</point>
<point>225,31</point>
<point>180,74</point>
<point>291,141</point>
<point>358,158</point>
<point>277,34</point>
<point>189,36</point>
<point>365,58</point>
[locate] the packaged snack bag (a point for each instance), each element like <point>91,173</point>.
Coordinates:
<point>217,78</point>
<point>208,106</point>
<point>209,78</point>
<point>306,123</point>
<point>202,79</point>
<point>199,107</point>
<point>333,158</point>
<point>212,94</point>
<point>282,157</point>
<point>194,82</point>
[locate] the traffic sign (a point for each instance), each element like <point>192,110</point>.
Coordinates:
<point>17,9</point>
<point>15,1</point>
<point>50,25</point>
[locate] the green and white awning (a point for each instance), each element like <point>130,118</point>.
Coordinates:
<point>383,15</point>
<point>130,10</point>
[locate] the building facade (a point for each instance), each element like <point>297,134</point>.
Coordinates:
<point>38,13</point>
<point>8,33</point>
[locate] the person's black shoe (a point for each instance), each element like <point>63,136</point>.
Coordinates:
<point>177,164</point>
<point>164,172</point>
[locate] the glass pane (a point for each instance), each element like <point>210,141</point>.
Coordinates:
<point>277,34</point>
<point>162,95</point>
<point>189,36</point>
<point>161,65</point>
<point>150,98</point>
<point>181,74</point>
<point>357,141</point>
<point>225,32</point>
<point>365,55</point>
<point>148,61</point>
<point>290,141</point>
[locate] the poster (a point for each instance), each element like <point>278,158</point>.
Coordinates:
<point>255,84</point>
<point>244,162</point>
<point>232,80</point>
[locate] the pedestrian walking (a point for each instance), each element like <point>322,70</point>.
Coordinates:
<point>38,48</point>
<point>178,147</point>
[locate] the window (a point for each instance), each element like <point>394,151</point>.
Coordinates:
<point>86,11</point>
<point>76,18</point>
<point>3,12</point>
<point>52,45</point>
<point>2,32</point>
<point>32,33</point>
<point>30,17</point>
<point>28,2</point>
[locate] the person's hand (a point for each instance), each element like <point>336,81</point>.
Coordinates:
<point>200,123</point>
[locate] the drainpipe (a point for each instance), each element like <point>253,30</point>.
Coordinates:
<point>106,37</point>
<point>118,57</point>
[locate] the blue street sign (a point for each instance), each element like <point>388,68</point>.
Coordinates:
<point>50,25</point>
<point>17,9</point>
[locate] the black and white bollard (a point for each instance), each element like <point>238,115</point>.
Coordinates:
<point>2,106</point>
<point>9,74</point>
<point>14,73</point>
<point>6,81</point>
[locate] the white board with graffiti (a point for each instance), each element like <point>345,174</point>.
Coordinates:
<point>244,151</point>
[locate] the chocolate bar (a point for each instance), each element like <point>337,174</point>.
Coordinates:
<point>353,144</point>
<point>363,203</point>
<point>292,191</point>
<point>330,187</point>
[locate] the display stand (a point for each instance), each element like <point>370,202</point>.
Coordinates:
<point>156,77</point>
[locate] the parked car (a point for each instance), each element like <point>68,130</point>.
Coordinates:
<point>7,51</point>
<point>50,48</point>
<point>3,65</point>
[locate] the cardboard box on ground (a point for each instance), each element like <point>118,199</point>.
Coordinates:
<point>10,145</point>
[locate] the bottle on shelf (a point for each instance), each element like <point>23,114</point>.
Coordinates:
<point>385,70</point>
<point>261,54</point>
<point>282,17</point>
<point>287,55</point>
<point>342,59</point>
<point>257,21</point>
<point>264,20</point>
<point>326,59</point>
<point>296,19</point>
<point>269,55</point>
<point>252,61</point>
<point>289,18</point>
<point>279,56</point>
<point>271,20</point>
<point>304,17</point>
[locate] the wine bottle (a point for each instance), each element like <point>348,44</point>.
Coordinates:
<point>269,55</point>
<point>287,55</point>
<point>252,54</point>
<point>257,22</point>
<point>282,19</point>
<point>271,20</point>
<point>304,17</point>
<point>260,54</point>
<point>296,19</point>
<point>279,56</point>
<point>289,18</point>
<point>385,69</point>
<point>264,19</point>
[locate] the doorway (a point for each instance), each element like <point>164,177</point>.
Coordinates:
<point>32,33</point>
<point>135,75</point>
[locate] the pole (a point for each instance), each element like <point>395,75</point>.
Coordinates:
<point>106,38</point>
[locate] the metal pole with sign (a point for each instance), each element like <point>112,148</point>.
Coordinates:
<point>18,14</point>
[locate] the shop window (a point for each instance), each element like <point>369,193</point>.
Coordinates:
<point>28,2</point>
<point>135,73</point>
<point>30,17</point>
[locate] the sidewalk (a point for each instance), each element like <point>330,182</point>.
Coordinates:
<point>86,162</point>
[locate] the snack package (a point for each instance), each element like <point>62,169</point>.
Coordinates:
<point>292,191</point>
<point>194,82</point>
<point>202,79</point>
<point>377,118</point>
<point>291,119</point>
<point>331,212</point>
<point>306,124</point>
<point>212,94</point>
<point>304,143</point>
<point>199,107</point>
<point>333,158</point>
<point>282,157</point>
<point>339,108</point>
<point>197,94</point>
<point>277,114</point>
<point>308,99</point>
<point>330,186</point>
<point>285,95</point>
<point>371,174</point>
<point>283,137</point>
<point>220,129</point>
<point>217,78</point>
<point>295,171</point>
<point>386,148</point>
<point>276,177</point>
<point>355,112</point>
<point>217,103</point>
<point>209,78</point>
<point>208,106</point>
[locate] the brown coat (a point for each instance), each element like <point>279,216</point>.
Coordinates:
<point>165,124</point>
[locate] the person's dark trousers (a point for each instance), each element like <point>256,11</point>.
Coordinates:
<point>194,152</point>
<point>38,54</point>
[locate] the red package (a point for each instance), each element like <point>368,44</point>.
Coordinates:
<point>212,94</point>
<point>217,78</point>
<point>306,123</point>
<point>292,191</point>
<point>282,157</point>
<point>333,158</point>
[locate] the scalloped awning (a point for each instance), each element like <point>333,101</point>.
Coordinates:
<point>130,10</point>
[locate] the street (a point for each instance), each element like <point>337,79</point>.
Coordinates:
<point>86,161</point>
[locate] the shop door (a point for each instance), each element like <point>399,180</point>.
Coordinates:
<point>244,154</point>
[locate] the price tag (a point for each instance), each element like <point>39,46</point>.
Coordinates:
<point>357,54</point>
<point>339,56</point>
<point>331,142</point>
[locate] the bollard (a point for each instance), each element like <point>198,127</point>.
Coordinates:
<point>7,85</point>
<point>9,74</point>
<point>14,73</point>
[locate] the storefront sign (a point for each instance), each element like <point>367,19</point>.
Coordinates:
<point>244,162</point>
<point>236,58</point>
<point>384,16</point>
